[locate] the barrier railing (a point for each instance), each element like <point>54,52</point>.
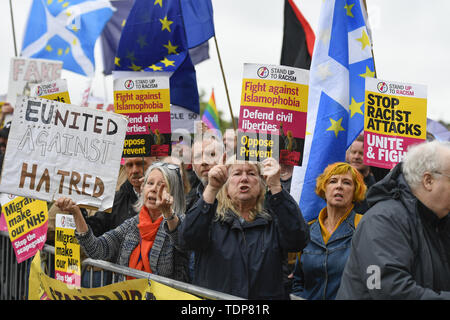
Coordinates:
<point>14,276</point>
<point>183,286</point>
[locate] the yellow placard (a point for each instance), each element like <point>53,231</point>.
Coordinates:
<point>23,215</point>
<point>43,287</point>
<point>136,101</point>
<point>274,94</point>
<point>67,251</point>
<point>60,96</point>
<point>395,115</point>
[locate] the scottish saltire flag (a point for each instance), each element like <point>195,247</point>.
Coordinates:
<point>154,40</point>
<point>342,59</point>
<point>210,116</point>
<point>66,31</point>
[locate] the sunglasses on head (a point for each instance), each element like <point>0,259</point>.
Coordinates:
<point>170,166</point>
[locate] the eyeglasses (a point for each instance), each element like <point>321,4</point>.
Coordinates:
<point>442,174</point>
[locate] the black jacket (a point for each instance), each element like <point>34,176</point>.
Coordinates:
<point>392,256</point>
<point>194,194</point>
<point>122,210</point>
<point>244,258</point>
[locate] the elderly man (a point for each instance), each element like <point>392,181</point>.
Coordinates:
<point>124,198</point>
<point>229,142</point>
<point>400,249</point>
<point>206,153</point>
<point>355,157</point>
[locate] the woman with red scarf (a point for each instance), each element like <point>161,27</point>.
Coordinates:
<point>148,240</point>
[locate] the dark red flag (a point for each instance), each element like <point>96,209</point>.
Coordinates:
<point>298,38</point>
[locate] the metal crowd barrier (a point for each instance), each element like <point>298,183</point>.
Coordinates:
<point>182,286</point>
<point>14,276</point>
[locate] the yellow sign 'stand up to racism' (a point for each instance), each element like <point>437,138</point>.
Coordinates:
<point>395,118</point>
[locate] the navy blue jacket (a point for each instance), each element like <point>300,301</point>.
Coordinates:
<point>244,258</point>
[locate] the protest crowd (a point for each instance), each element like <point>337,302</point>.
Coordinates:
<point>202,212</point>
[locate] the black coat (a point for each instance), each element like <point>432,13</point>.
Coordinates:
<point>391,256</point>
<point>244,258</point>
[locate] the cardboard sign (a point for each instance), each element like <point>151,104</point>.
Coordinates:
<point>272,119</point>
<point>67,251</point>
<point>146,102</point>
<point>23,72</point>
<point>42,287</point>
<point>55,149</point>
<point>27,222</point>
<point>395,118</point>
<point>182,119</point>
<point>52,90</point>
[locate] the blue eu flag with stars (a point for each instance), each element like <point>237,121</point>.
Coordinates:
<point>66,31</point>
<point>154,40</point>
<point>342,59</point>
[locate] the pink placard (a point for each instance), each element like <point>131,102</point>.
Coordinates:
<point>386,151</point>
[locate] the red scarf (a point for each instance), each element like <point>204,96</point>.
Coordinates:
<point>139,258</point>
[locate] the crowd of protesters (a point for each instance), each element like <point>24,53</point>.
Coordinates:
<point>232,225</point>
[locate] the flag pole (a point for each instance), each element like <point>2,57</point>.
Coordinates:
<point>225,83</point>
<point>371,42</point>
<point>12,24</point>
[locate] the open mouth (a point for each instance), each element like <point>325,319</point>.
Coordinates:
<point>244,188</point>
<point>338,196</point>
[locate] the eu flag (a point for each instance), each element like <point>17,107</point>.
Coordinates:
<point>154,39</point>
<point>342,59</point>
<point>66,31</point>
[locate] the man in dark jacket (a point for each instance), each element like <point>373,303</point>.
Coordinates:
<point>206,154</point>
<point>355,157</point>
<point>124,198</point>
<point>400,249</point>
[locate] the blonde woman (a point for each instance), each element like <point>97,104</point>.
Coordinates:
<point>239,238</point>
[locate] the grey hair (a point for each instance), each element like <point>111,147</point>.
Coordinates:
<point>174,185</point>
<point>421,158</point>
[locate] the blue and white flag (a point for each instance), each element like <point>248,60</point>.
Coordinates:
<point>66,31</point>
<point>342,59</point>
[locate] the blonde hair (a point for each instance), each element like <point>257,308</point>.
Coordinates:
<point>225,203</point>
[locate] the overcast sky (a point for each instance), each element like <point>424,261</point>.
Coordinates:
<point>410,45</point>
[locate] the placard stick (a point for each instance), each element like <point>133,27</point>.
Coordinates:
<point>225,83</point>
<point>12,24</point>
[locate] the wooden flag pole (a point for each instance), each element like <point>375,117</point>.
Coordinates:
<point>13,30</point>
<point>225,83</point>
